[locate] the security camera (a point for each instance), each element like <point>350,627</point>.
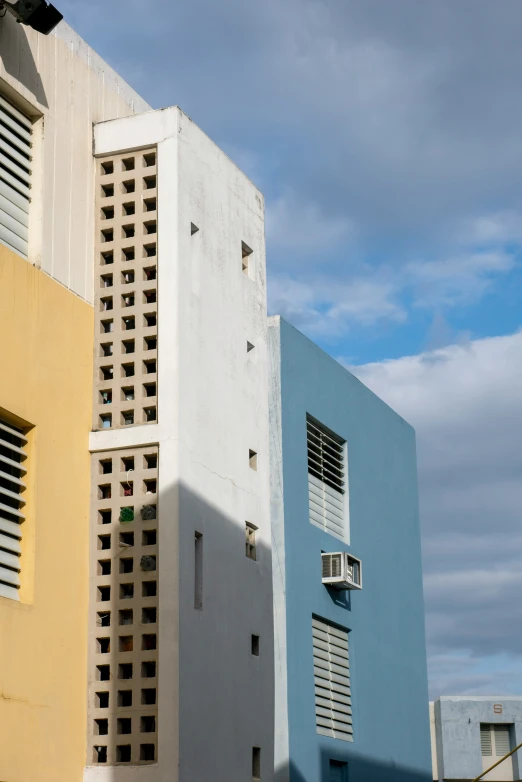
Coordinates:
<point>38,14</point>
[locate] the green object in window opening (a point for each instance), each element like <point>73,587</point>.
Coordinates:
<point>127,514</point>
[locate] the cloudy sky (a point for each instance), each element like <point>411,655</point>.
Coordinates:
<point>387,138</point>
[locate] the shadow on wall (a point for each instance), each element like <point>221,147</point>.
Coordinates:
<point>349,767</point>
<point>341,598</point>
<point>17,58</point>
<point>177,539</point>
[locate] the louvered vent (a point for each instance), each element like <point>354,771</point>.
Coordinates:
<point>502,746</point>
<point>12,487</point>
<point>326,478</point>
<point>332,565</point>
<point>333,704</point>
<point>485,740</point>
<point>15,176</point>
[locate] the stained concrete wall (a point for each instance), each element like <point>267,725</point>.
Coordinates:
<point>64,87</point>
<point>457,732</point>
<point>215,697</point>
<point>391,739</point>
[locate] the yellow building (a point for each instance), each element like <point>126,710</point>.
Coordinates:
<point>45,393</point>
<point>52,90</point>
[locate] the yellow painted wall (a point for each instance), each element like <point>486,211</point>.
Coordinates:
<point>46,380</point>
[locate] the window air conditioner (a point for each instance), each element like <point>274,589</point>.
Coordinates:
<point>342,571</point>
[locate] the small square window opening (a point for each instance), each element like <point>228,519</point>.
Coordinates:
<point>246,252</point>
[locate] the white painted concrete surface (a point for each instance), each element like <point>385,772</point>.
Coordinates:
<point>281,741</point>
<point>215,697</point>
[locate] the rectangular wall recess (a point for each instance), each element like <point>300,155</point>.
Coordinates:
<point>246,264</point>
<point>256,763</point>
<point>255,645</point>
<point>198,570</point>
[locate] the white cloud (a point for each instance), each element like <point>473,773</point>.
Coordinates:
<point>328,306</point>
<point>463,674</point>
<point>324,307</point>
<point>455,280</point>
<point>302,227</point>
<point>495,228</point>
<point>465,402</point>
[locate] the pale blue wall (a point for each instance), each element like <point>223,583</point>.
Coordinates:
<point>386,619</point>
<point>457,726</point>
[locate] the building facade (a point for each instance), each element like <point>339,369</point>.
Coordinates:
<point>52,90</point>
<point>351,681</point>
<point>135,545</point>
<point>469,734</point>
<point>159,438</point>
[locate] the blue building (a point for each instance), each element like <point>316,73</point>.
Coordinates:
<point>351,681</point>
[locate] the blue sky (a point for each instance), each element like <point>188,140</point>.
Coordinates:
<point>387,139</point>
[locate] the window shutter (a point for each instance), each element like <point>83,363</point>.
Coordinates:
<point>502,746</point>
<point>485,740</point>
<point>326,472</point>
<point>11,501</point>
<point>15,175</point>
<point>333,703</point>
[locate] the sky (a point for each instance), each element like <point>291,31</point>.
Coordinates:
<point>387,139</point>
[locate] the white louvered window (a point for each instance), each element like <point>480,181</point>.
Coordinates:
<point>15,176</point>
<point>485,740</point>
<point>333,703</point>
<point>494,740</point>
<point>502,745</point>
<point>326,478</point>
<point>12,486</point>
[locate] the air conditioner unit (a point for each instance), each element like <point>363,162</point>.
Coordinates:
<point>342,571</point>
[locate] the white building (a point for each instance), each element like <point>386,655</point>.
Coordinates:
<point>180,297</point>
